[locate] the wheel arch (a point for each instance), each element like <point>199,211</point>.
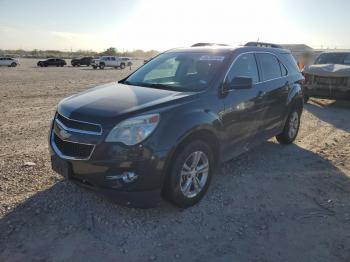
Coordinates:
<point>205,135</point>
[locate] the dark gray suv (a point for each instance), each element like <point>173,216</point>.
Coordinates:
<point>164,129</point>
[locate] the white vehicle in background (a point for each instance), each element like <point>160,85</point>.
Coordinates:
<point>8,61</point>
<point>111,61</point>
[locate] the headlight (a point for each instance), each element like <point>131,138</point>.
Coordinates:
<point>134,130</point>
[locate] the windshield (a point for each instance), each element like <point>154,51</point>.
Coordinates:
<point>334,58</point>
<point>178,71</point>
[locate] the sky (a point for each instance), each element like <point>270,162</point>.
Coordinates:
<point>164,24</point>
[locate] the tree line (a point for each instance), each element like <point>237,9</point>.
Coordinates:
<point>112,51</point>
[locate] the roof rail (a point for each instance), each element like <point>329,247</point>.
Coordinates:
<point>207,44</point>
<point>262,44</point>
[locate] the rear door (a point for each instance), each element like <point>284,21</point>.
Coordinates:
<point>243,107</point>
<point>51,62</point>
<point>274,85</point>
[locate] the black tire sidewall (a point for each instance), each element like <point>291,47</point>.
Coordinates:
<point>172,187</point>
<point>284,138</point>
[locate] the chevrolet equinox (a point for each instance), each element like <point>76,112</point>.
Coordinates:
<point>162,130</point>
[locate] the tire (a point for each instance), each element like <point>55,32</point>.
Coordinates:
<point>122,66</point>
<point>306,98</point>
<point>94,67</point>
<point>180,187</point>
<point>291,127</point>
<point>13,64</point>
<point>102,66</point>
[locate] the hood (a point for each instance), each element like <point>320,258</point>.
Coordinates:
<point>332,70</point>
<point>116,101</point>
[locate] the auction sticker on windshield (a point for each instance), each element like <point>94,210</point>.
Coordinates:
<point>212,58</point>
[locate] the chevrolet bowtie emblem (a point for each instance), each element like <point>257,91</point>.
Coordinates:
<point>64,134</point>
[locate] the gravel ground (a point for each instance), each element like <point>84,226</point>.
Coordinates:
<point>275,203</point>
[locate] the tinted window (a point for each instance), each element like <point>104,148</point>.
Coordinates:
<point>283,70</point>
<point>269,66</point>
<point>244,66</point>
<point>113,58</point>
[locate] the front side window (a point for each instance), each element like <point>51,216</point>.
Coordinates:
<point>244,66</point>
<point>270,67</point>
<point>185,71</point>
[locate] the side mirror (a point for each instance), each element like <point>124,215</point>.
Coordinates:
<point>240,82</point>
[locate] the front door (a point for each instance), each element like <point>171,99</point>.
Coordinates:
<point>243,107</point>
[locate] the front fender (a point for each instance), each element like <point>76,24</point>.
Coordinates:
<point>185,124</point>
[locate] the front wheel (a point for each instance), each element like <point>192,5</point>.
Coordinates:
<point>102,66</point>
<point>190,175</point>
<point>13,64</point>
<point>291,127</point>
<point>122,66</point>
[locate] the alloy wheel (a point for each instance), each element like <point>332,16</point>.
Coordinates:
<point>194,174</point>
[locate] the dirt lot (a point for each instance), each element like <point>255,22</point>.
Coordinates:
<point>275,203</point>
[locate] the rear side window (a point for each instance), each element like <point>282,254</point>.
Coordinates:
<point>283,69</point>
<point>244,66</point>
<point>270,66</point>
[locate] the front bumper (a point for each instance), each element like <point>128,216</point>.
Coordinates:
<point>327,91</point>
<point>103,171</point>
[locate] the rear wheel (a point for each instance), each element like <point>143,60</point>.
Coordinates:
<point>102,66</point>
<point>122,66</point>
<point>190,175</point>
<point>291,127</point>
<point>13,64</point>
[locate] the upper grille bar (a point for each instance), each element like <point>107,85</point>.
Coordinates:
<point>78,126</point>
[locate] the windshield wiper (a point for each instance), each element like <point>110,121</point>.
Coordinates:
<point>158,86</point>
<point>153,85</point>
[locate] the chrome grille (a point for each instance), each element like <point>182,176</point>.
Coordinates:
<point>71,150</point>
<point>78,126</point>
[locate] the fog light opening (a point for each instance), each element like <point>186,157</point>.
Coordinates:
<point>129,177</point>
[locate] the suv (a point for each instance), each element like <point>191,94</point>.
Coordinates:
<point>81,61</point>
<point>328,77</point>
<point>165,128</point>
<point>111,61</point>
<point>52,62</point>
<point>8,61</point>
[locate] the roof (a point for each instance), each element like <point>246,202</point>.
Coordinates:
<point>228,49</point>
